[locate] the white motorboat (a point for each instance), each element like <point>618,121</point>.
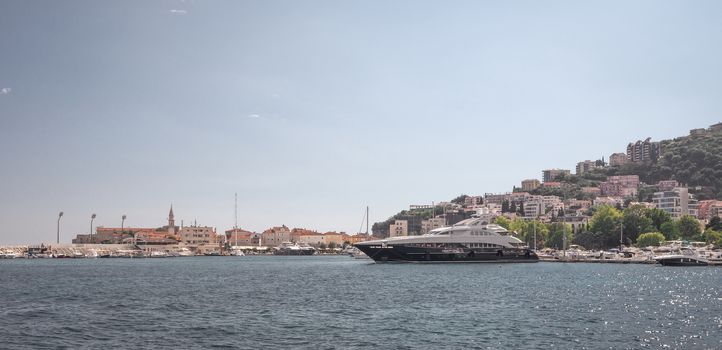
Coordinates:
<point>685,256</point>
<point>237,252</point>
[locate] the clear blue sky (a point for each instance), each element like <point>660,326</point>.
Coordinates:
<point>311,110</point>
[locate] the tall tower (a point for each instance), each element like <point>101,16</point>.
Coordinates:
<point>171,221</point>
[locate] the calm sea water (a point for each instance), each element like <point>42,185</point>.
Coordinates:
<point>329,302</point>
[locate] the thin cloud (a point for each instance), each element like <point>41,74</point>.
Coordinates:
<point>254,116</point>
<point>5,91</point>
<point>178,12</point>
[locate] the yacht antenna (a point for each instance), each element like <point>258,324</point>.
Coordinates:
<point>235,208</point>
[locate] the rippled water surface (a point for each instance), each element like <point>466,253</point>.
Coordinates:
<point>330,302</point>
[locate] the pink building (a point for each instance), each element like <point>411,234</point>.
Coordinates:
<point>620,186</point>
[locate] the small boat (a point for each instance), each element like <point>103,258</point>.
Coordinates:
<point>9,254</point>
<point>291,248</point>
<point>237,252</point>
<point>212,253</point>
<point>358,254</point>
<point>158,254</point>
<point>685,257</point>
<point>183,251</point>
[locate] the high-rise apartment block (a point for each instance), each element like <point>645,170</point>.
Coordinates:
<point>642,151</point>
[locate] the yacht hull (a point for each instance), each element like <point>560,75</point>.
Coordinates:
<point>398,253</point>
<point>682,262</point>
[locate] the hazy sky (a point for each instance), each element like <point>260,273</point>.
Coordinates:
<point>311,110</point>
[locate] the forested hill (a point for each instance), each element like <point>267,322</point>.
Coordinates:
<point>694,160</point>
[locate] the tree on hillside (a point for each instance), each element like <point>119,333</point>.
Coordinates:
<point>512,208</point>
<point>670,230</point>
<point>502,221</point>
<point>557,230</point>
<point>645,193</point>
<point>658,217</point>
<point>714,224</point>
<point>589,240</point>
<point>688,226</point>
<point>713,237</point>
<point>505,206</point>
<point>526,230</point>
<point>636,222</point>
<point>460,199</point>
<point>654,239</point>
<point>606,222</point>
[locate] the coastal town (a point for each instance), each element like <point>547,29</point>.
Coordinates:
<point>587,211</point>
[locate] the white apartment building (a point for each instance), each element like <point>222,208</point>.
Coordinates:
<point>537,206</point>
<point>677,202</point>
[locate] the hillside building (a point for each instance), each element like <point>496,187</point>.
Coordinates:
<point>667,185</point>
<point>618,159</point>
<point>642,151</point>
<point>620,186</point>
<point>552,174</point>
<point>399,228</point>
<point>530,185</point>
<point>432,224</point>
<point>491,198</point>
<point>585,166</point>
<point>677,202</point>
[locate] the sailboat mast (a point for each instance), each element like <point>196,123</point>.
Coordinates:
<point>235,210</point>
<point>367,220</point>
<point>534,235</point>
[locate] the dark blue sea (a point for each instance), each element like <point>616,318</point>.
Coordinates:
<point>336,302</point>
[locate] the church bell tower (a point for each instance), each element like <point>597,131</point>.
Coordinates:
<point>171,221</point>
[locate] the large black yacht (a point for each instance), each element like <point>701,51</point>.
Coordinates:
<point>472,240</point>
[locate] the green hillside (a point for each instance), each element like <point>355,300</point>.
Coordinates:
<point>695,161</point>
<point>691,160</point>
